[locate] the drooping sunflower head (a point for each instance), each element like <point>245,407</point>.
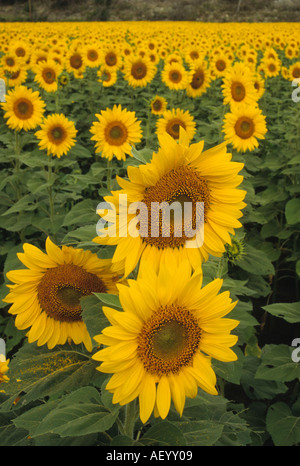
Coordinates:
<point>57,135</point>
<point>160,347</point>
<point>115,132</point>
<point>23,108</point>
<point>45,296</point>
<point>235,251</point>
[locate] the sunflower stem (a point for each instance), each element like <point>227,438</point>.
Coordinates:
<point>108,167</point>
<point>131,414</point>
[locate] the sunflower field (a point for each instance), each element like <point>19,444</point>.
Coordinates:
<point>115,331</point>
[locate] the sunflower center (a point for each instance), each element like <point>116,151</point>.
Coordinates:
<point>139,70</point>
<point>296,73</point>
<point>23,109</point>
<point>173,127</point>
<point>198,79</point>
<point>272,67</point>
<point>76,61</point>
<point>49,75</point>
<point>175,76</point>
<point>175,208</point>
<point>10,62</point>
<point>92,55</point>
<point>111,59</point>
<point>194,55</point>
<point>244,127</point>
<point>61,288</point>
<point>168,340</point>
<point>157,105</point>
<point>57,135</point>
<point>116,133</point>
<point>238,91</point>
<point>20,52</point>
<point>220,65</point>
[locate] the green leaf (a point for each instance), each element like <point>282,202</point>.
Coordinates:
<point>201,433</point>
<point>80,413</point>
<point>277,364</point>
<point>287,311</point>
<point>292,211</point>
<point>109,300</point>
<point>282,425</point>
<point>258,389</point>
<point>93,316</point>
<point>36,372</point>
<point>230,371</point>
<point>164,433</point>
<point>83,212</point>
<point>256,261</point>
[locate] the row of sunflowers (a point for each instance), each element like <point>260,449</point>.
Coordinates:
<point>127,322</point>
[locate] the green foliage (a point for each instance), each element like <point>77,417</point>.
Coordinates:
<point>57,397</point>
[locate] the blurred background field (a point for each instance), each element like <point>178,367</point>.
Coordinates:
<point>151,10</point>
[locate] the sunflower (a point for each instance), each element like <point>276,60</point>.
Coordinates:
<point>3,368</point>
<point>179,173</point>
<point>91,56</point>
<point>57,135</point>
<point>46,75</point>
<point>115,132</point>
<point>10,62</point>
<point>294,71</point>
<point>107,76</point>
<point>259,85</point>
<point>172,120</point>
<point>138,71</point>
<point>175,76</point>
<point>238,86</point>
<point>74,62</point>
<point>23,108</point>
<point>111,58</point>
<point>17,78</point>
<point>158,105</point>
<point>219,64</point>
<point>46,295</point>
<point>271,67</point>
<point>200,79</point>
<point>160,347</point>
<point>243,126</point>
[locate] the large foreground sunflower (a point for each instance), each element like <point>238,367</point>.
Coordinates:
<point>46,295</point>
<point>57,135</point>
<point>178,174</point>
<point>23,108</point>
<point>159,349</point>
<point>115,132</point>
